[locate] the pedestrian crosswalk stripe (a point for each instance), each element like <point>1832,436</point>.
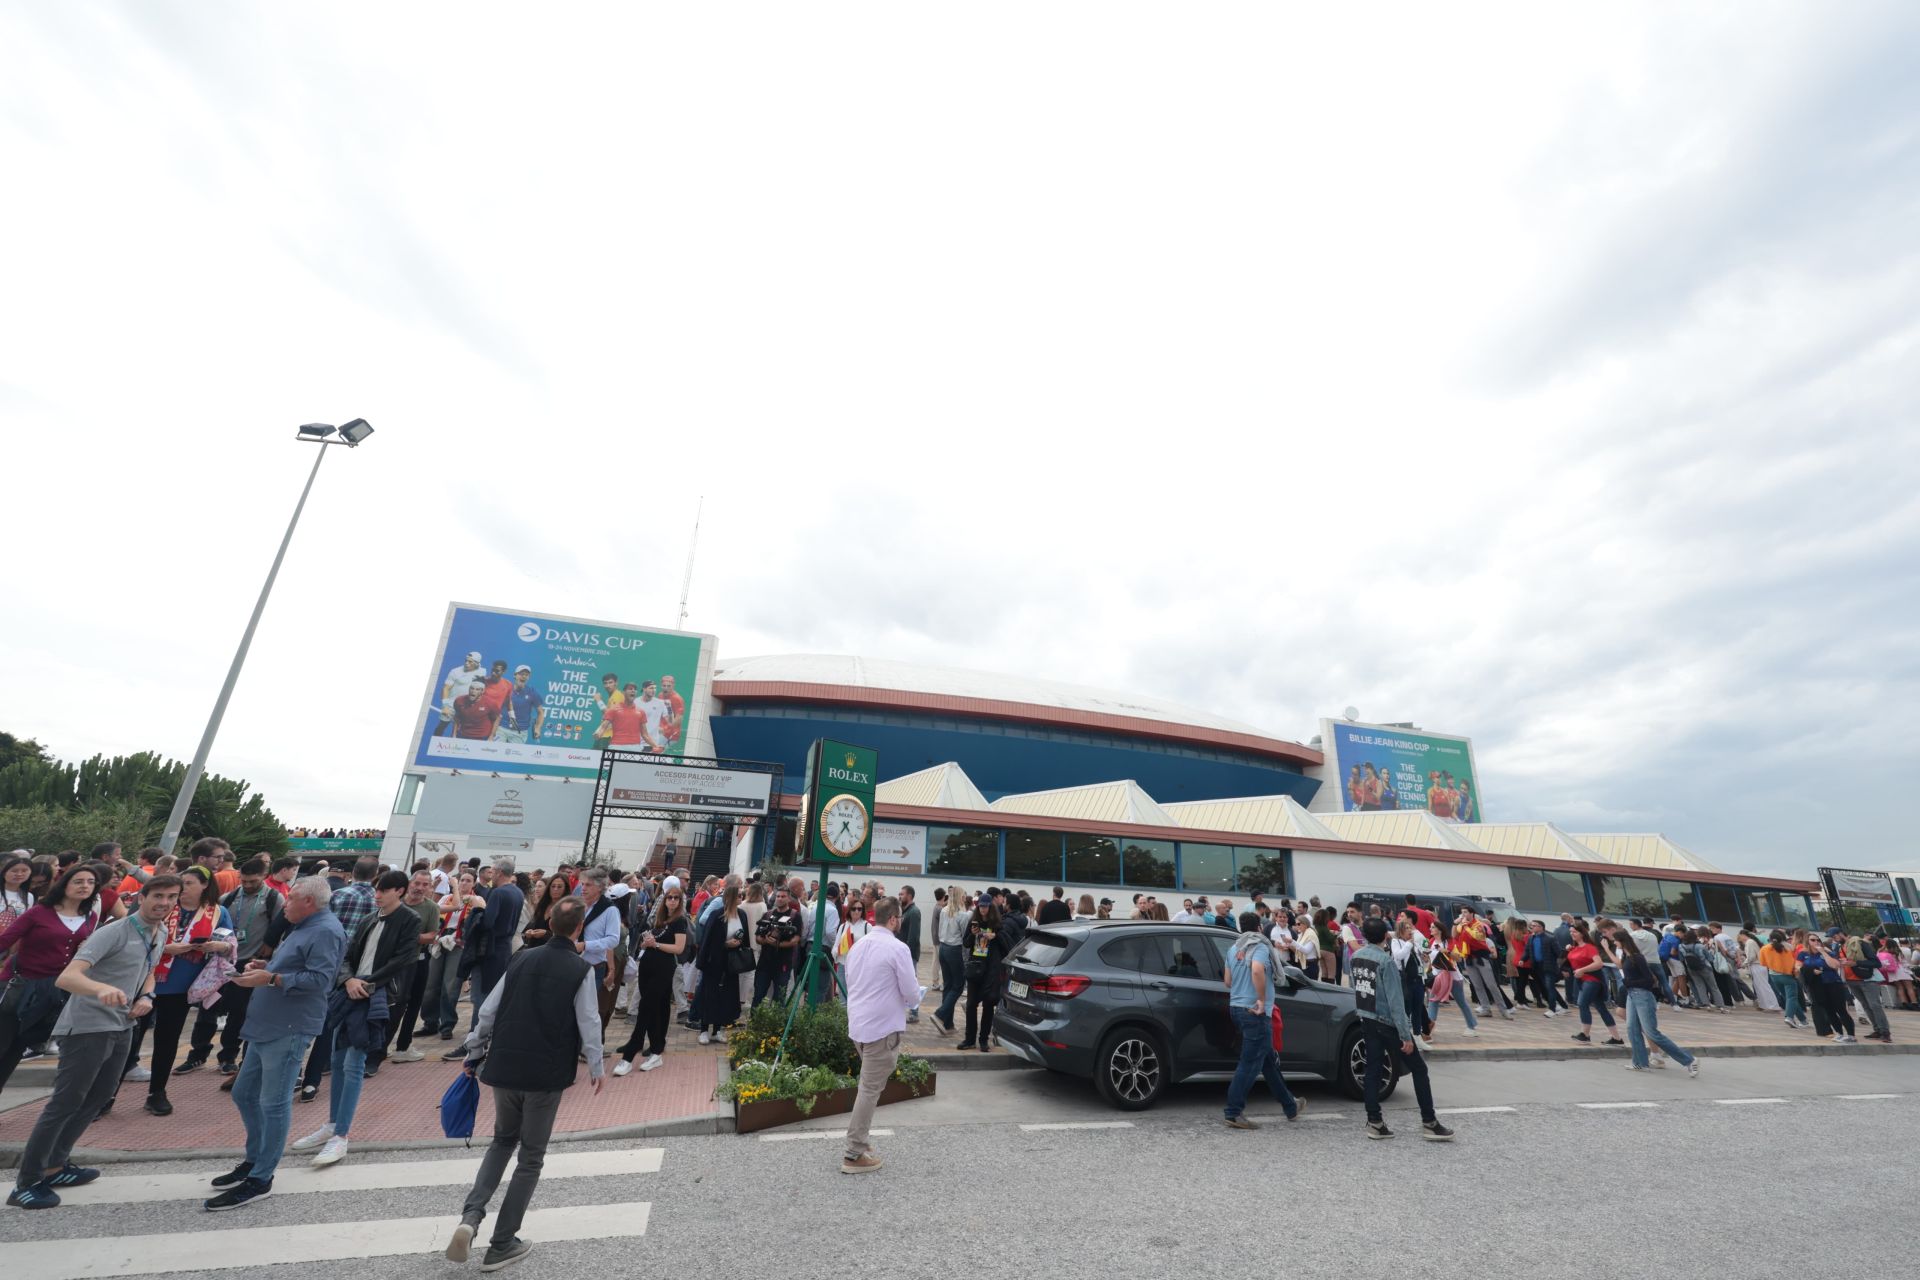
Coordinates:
<point>1867,1097</point>
<point>302,1179</point>
<point>1741,1102</point>
<point>249,1247</point>
<point>820,1133</point>
<point>1613,1106</point>
<point>1469,1111</point>
<point>1083,1124</point>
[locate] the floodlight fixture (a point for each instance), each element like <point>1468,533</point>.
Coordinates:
<point>316,430</point>
<point>356,431</point>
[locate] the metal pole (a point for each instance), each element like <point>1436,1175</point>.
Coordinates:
<point>191,782</point>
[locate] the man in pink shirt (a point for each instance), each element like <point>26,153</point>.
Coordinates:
<point>881,987</point>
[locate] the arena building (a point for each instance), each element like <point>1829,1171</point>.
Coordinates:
<point>990,779</point>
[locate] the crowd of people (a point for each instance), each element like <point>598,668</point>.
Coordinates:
<point>1815,980</point>
<point>336,833</point>
<point>283,981</point>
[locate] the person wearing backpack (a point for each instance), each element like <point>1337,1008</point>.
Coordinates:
<point>1387,1029</point>
<point>1865,983</point>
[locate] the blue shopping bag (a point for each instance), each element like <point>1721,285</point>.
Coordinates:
<point>458,1105</point>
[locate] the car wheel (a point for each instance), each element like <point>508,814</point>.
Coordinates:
<point>1131,1069</point>
<point>1351,1075</point>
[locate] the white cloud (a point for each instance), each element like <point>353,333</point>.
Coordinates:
<point>1529,377</point>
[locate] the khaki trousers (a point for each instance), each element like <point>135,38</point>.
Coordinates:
<point>876,1064</point>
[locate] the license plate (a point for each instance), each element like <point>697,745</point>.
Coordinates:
<point>1017,989</point>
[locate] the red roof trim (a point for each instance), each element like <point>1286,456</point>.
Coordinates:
<point>998,709</point>
<point>1041,822</point>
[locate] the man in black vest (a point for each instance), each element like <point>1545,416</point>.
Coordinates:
<point>534,1026</point>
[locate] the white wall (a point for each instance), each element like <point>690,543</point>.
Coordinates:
<point>1336,877</point>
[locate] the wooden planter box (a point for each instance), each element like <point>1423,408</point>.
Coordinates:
<point>751,1117</point>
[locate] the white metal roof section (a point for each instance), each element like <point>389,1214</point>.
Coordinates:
<point>1415,828</point>
<point>945,786</point>
<point>910,677</point>
<point>1253,815</point>
<point>1651,850</point>
<point>1097,802</point>
<point>1528,840</point>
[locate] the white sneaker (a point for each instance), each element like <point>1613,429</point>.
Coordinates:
<point>1468,1031</point>
<point>651,1061</point>
<point>1631,1067</point>
<point>1693,1071</point>
<point>624,1067</point>
<point>408,1055</point>
<point>318,1138</point>
<point>139,1075</point>
<point>1479,1011</point>
<point>332,1153</point>
<point>1658,1059</point>
<point>705,1038</point>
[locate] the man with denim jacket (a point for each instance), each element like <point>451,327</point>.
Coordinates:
<point>1387,1028</point>
<point>1251,976</point>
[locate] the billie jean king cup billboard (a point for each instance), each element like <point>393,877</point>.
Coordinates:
<point>1379,769</point>
<point>533,693</point>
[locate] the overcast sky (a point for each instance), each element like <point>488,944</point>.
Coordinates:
<point>1542,375</point>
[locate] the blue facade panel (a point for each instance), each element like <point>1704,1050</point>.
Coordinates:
<point>1003,765</point>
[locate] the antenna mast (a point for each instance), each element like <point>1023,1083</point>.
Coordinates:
<point>686,583</point>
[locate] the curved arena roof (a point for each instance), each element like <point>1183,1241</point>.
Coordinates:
<point>880,682</point>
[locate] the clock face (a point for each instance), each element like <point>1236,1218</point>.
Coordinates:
<point>843,825</point>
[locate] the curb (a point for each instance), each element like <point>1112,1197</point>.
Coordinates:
<point>1823,1048</point>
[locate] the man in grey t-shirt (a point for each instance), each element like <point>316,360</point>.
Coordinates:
<point>110,978</point>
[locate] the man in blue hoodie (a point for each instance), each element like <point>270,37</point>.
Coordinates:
<point>1386,1028</point>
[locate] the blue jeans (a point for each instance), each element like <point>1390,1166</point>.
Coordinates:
<point>1257,1058</point>
<point>349,1069</point>
<point>1787,992</point>
<point>1643,1024</point>
<point>1593,995</point>
<point>1460,998</point>
<point>953,981</point>
<point>263,1094</point>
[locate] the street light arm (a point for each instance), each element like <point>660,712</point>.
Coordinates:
<point>191,782</point>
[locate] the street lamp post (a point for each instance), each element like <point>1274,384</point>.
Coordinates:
<point>319,433</point>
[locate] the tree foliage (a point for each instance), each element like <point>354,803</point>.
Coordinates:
<point>46,804</point>
<point>1265,873</point>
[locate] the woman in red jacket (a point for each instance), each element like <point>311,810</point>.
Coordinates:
<point>41,942</point>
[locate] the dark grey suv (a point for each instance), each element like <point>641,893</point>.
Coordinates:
<point>1140,1005</point>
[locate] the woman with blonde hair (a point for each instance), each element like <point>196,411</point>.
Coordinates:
<point>951,934</point>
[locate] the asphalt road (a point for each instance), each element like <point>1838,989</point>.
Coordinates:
<point>1559,1186</point>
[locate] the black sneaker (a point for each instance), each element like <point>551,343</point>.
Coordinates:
<point>229,1068</point>
<point>157,1105</point>
<point>37,1196</point>
<point>501,1255</point>
<point>454,1054</point>
<point>1378,1129</point>
<point>1241,1122</point>
<point>234,1176</point>
<point>232,1198</point>
<point>71,1176</point>
<point>1434,1131</point>
<point>308,1092</point>
<point>194,1062</point>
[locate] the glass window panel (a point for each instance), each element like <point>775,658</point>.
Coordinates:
<point>1794,912</point>
<point>1148,863</point>
<point>1720,903</point>
<point>1093,860</point>
<point>1144,955</point>
<point>1565,892</point>
<point>1033,855</point>
<point>1529,891</point>
<point>1261,870</point>
<point>1611,893</point>
<point>1644,898</point>
<point>1191,957</point>
<point>1206,868</point>
<point>963,853</point>
<point>1759,908</point>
